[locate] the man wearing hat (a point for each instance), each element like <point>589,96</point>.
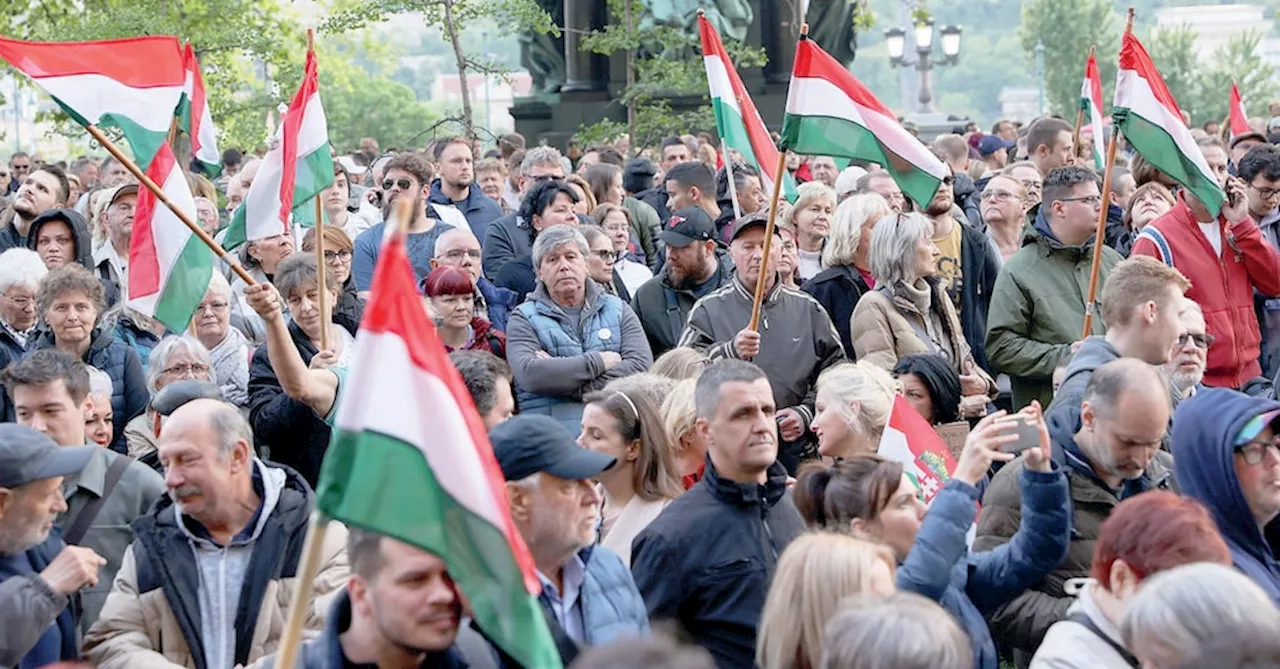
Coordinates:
<point>39,573</point>
<point>995,151</point>
<point>694,268</point>
<point>586,589</point>
<point>43,189</point>
<point>112,258</point>
<point>1226,455</point>
<point>794,343</point>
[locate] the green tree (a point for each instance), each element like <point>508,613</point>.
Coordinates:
<point>1239,60</point>
<point>1173,50</point>
<point>358,104</point>
<point>1067,30</point>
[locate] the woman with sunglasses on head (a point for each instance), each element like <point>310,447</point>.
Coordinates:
<point>909,313</point>
<point>873,498</point>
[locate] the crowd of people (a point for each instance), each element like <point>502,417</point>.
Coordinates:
<point>695,490</point>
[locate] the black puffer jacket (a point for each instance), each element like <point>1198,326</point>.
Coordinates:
<point>707,559</point>
<point>83,252</point>
<point>838,290</point>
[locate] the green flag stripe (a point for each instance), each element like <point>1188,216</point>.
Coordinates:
<point>186,286</point>
<point>1158,147</point>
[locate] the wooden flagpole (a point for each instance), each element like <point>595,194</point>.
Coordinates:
<point>322,296</point>
<point>1075,137</point>
<point>1091,304</point>
<point>150,185</point>
<point>769,227</point>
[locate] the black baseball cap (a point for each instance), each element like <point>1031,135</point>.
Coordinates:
<point>687,226</point>
<point>532,443</point>
<point>759,219</point>
<point>1245,136</point>
<point>27,455</point>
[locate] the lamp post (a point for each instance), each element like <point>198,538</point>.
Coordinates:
<point>923,32</point>
<point>1040,78</point>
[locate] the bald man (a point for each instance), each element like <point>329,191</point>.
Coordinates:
<point>460,248</point>
<point>231,527</point>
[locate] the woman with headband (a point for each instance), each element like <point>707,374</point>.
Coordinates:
<point>628,427</point>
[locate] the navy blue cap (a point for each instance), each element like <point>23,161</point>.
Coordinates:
<point>989,144</point>
<point>27,455</point>
<point>532,443</point>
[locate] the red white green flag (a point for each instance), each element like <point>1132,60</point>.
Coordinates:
<point>1091,103</point>
<point>1151,121</point>
<point>193,114</point>
<point>1237,118</point>
<point>830,113</point>
<point>131,84</point>
<point>169,267</point>
<point>410,459</point>
<point>737,121</point>
<point>909,439</point>
<point>297,167</point>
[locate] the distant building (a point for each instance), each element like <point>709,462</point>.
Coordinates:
<point>501,94</point>
<point>19,129</point>
<point>1216,24</point>
<point>1019,103</point>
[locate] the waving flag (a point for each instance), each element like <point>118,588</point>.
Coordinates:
<point>1150,119</point>
<point>1091,103</point>
<point>193,112</point>
<point>130,84</point>
<point>410,459</point>
<point>911,440</point>
<point>830,113</point>
<point>169,267</point>
<point>1237,119</point>
<point>296,169</point>
<point>737,121</point>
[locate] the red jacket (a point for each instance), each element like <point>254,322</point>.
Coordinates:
<point>484,337</point>
<point>1222,285</point>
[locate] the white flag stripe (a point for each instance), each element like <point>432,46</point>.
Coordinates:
<point>718,82</point>
<point>813,96</point>
<point>314,132</point>
<point>1135,94</point>
<point>171,235</point>
<point>390,395</point>
<point>94,95</point>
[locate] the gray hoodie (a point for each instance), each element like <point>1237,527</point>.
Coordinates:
<point>222,571</point>
<point>1095,351</point>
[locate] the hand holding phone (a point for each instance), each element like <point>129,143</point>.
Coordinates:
<point>1026,430</point>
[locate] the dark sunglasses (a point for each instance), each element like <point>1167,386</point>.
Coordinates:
<point>403,184</point>
<point>1202,341</point>
<point>606,255</point>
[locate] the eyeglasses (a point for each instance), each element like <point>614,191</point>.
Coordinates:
<point>947,181</point>
<point>1254,452</point>
<point>997,195</point>
<point>20,302</point>
<point>1202,340</point>
<point>213,307</point>
<point>459,254</point>
<point>1266,193</point>
<point>1091,200</point>
<point>547,177</point>
<point>330,256</point>
<point>187,370</point>
<point>605,255</point>
<point>402,184</point>
<point>1032,185</point>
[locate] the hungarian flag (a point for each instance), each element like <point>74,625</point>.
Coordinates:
<point>296,169</point>
<point>911,440</point>
<point>410,459</point>
<point>193,112</point>
<point>130,84</point>
<point>1150,119</point>
<point>737,121</point>
<point>169,267</point>
<point>830,113</point>
<point>1237,118</point>
<point>1091,103</point>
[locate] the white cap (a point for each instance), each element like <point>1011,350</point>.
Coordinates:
<point>848,180</point>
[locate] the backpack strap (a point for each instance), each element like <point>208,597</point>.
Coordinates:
<point>1156,237</point>
<point>84,520</point>
<point>1079,618</point>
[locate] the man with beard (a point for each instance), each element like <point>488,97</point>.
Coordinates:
<point>39,573</point>
<point>456,187</point>
<point>111,260</point>
<point>40,191</point>
<point>215,563</point>
<point>407,175</point>
<point>1186,364</point>
<point>694,268</point>
<point>967,266</point>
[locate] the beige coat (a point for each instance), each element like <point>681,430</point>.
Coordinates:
<point>635,516</point>
<point>882,335</point>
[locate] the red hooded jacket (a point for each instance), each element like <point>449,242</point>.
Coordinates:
<point>1222,284</point>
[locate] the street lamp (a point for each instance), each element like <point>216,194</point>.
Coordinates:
<point>922,31</point>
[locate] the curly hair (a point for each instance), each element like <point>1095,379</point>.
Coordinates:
<point>70,278</point>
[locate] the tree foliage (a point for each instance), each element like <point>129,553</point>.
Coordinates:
<point>1173,50</point>
<point>1204,91</point>
<point>1067,30</point>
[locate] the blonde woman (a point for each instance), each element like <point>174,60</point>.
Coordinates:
<point>680,363</point>
<point>851,409</point>
<point>810,218</point>
<point>679,417</point>
<point>815,573</point>
<point>846,261</point>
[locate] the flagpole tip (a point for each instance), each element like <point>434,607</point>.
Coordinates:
<point>702,13</point>
<point>804,29</point>
<point>311,39</point>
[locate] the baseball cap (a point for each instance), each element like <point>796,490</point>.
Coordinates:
<point>121,190</point>
<point>687,226</point>
<point>532,443</point>
<point>1256,424</point>
<point>992,143</point>
<point>759,219</point>
<point>1255,136</point>
<point>847,182</point>
<point>27,455</point>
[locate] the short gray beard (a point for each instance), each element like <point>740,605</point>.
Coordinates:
<point>21,544</point>
<point>1184,382</point>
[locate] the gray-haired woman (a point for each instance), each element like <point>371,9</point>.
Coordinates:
<point>909,313</point>
<point>175,358</point>
<point>570,337</point>
<point>228,348</point>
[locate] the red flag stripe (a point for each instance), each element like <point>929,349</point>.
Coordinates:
<point>761,143</point>
<point>289,137</point>
<point>144,259</point>
<point>142,62</point>
<point>191,64</point>
<point>1134,57</point>
<point>814,62</point>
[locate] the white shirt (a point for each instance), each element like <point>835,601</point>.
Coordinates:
<point>1212,231</point>
<point>633,274</point>
<point>809,263</point>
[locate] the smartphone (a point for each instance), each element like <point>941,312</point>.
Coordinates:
<point>1026,429</point>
